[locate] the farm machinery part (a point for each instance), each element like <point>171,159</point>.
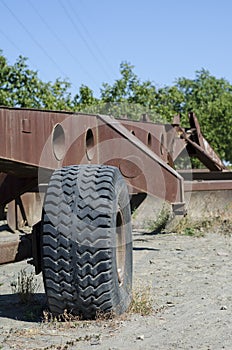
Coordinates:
<point>74,178</point>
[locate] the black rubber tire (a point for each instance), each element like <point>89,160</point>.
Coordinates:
<point>80,256</point>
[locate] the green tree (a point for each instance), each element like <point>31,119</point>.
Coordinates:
<point>129,95</point>
<point>211,100</point>
<point>21,87</point>
<point>84,99</point>
<point>163,102</point>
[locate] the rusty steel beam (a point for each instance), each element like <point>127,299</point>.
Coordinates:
<point>197,145</point>
<point>15,248</point>
<point>210,185</point>
<point>12,186</point>
<point>8,251</point>
<point>202,154</point>
<point>213,159</point>
<point>25,210</point>
<point>153,135</point>
<point>204,174</point>
<point>141,167</point>
<point>49,140</point>
<point>205,180</point>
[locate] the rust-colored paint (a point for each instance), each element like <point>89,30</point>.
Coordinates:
<point>16,249</point>
<point>26,210</point>
<point>40,139</point>
<point>208,185</point>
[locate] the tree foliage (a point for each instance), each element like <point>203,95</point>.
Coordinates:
<point>208,97</point>
<point>211,100</point>
<point>21,87</point>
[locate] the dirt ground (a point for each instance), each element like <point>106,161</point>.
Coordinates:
<point>189,279</point>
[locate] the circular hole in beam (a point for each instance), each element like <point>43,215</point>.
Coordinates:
<point>89,142</point>
<point>162,144</point>
<point>149,139</point>
<point>58,142</point>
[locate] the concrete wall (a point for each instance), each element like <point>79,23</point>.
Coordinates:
<point>201,205</point>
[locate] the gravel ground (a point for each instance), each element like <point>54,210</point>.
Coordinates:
<point>189,280</point>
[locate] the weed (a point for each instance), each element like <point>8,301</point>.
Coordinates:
<point>25,286</point>
<point>67,320</point>
<point>192,228</point>
<point>225,227</point>
<point>189,231</point>
<point>134,214</point>
<point>66,317</point>
<point>105,316</point>
<point>158,225</point>
<point>200,227</point>
<point>141,302</point>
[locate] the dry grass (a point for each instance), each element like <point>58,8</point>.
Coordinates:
<point>63,321</point>
<point>67,317</point>
<point>198,228</point>
<point>25,286</point>
<point>142,302</point>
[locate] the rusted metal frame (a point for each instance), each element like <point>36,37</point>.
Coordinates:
<point>210,185</point>
<point>196,150</point>
<point>153,175</point>
<point>20,248</point>
<point>205,180</point>
<point>202,154</point>
<point>194,124</point>
<point>197,144</point>
<point>153,135</point>
<point>23,150</point>
<point>17,247</point>
<point>177,144</point>
<point>11,187</point>
<point>156,176</point>
<point>31,120</point>
<point>205,174</point>
<point>162,139</point>
<point>25,210</point>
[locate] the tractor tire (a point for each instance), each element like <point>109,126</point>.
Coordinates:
<point>87,241</point>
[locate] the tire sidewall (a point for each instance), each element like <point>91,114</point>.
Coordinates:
<point>122,293</point>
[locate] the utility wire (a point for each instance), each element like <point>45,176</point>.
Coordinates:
<point>19,50</point>
<point>10,40</point>
<point>61,42</point>
<point>83,38</point>
<point>33,39</point>
<point>89,35</point>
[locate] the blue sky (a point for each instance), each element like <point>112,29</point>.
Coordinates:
<point>85,41</point>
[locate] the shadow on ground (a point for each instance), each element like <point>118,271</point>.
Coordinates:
<point>32,311</point>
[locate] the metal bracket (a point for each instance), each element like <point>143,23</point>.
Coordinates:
<point>179,208</point>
